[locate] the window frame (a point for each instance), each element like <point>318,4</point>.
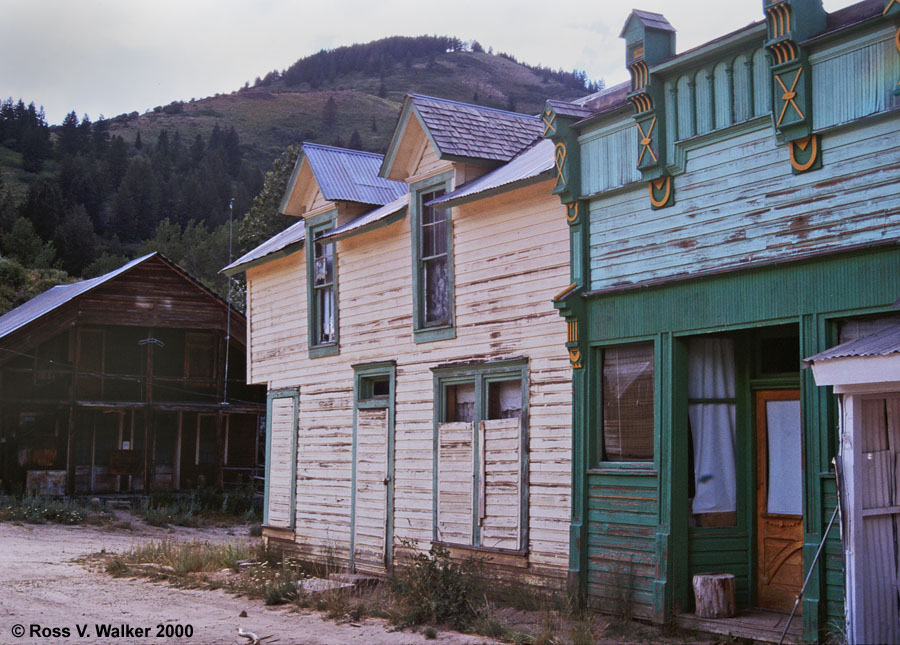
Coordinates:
<point>482,375</point>
<point>422,332</point>
<point>599,460</point>
<point>314,226</point>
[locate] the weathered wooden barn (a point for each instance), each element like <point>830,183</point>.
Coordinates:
<point>118,384</point>
<point>732,209</point>
<point>419,390</point>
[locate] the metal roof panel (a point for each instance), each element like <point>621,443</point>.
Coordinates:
<point>350,175</point>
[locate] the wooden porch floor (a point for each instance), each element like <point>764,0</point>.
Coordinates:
<point>757,624</point>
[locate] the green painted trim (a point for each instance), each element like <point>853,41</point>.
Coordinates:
<point>283,393</point>
<point>482,375</point>
<point>714,50</point>
<point>292,182</point>
<point>421,332</point>
<point>314,224</point>
<point>362,371</point>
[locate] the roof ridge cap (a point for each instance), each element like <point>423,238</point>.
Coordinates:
<point>473,105</point>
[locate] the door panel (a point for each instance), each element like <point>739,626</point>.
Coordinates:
<point>372,489</point>
<point>779,481</point>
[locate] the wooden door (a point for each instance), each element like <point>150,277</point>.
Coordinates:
<point>779,502</point>
<point>373,490</point>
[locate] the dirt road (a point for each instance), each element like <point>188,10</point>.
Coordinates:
<point>43,591</point>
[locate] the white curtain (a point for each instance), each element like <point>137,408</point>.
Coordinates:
<point>711,375</point>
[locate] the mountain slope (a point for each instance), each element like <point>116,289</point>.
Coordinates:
<point>274,114</point>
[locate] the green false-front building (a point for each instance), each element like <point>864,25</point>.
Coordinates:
<point>733,209</point>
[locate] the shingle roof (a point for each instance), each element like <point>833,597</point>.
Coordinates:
<point>653,20</point>
<point>572,109</point>
<point>473,131</point>
<point>529,166</point>
<point>55,297</point>
<point>350,175</point>
<point>880,343</point>
<point>292,236</point>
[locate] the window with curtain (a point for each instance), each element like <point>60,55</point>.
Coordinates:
<point>435,243</point>
<point>627,392</point>
<point>712,419</point>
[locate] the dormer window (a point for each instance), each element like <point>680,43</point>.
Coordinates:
<point>321,276</point>
<point>432,241</point>
<point>323,287</point>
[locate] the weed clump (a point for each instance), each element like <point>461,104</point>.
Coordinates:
<point>40,510</point>
<point>433,588</point>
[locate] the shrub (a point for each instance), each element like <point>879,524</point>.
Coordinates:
<point>434,589</point>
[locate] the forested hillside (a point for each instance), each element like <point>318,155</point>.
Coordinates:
<point>80,198</point>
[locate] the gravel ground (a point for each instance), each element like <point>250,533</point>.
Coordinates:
<point>42,587</point>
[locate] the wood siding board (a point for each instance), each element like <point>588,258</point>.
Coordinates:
<point>742,222</point>
<point>856,82</point>
<point>376,322</point>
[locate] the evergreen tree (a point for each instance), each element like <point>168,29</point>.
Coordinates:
<point>76,240</point>
<point>117,162</point>
<point>138,144</point>
<point>263,220</point>
<point>355,141</point>
<point>43,207</point>
<point>24,245</point>
<point>69,140</point>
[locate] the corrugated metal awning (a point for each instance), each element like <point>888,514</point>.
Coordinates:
<point>373,219</point>
<point>276,246</point>
<point>533,165</point>
<point>880,343</point>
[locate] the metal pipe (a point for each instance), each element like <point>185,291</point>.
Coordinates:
<point>837,507</point>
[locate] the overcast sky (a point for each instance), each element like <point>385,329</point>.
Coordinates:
<point>113,56</point>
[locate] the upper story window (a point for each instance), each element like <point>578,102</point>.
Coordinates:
<point>433,261</point>
<point>321,274</point>
<point>323,290</point>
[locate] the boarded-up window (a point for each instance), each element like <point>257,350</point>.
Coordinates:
<point>480,473</point>
<point>500,482</point>
<point>435,261</point>
<point>281,455</point>
<point>455,468</point>
<point>628,403</point>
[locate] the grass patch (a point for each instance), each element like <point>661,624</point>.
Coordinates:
<point>40,510</point>
<point>203,506</point>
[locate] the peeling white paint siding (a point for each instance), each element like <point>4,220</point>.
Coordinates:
<point>510,259</point>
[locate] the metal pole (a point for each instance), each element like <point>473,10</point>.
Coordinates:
<point>228,303</point>
<point>837,507</point>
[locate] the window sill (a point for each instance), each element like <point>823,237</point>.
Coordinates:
<point>324,350</point>
<point>510,557</point>
<point>431,334</point>
<point>624,468</point>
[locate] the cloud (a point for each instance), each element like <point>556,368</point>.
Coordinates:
<point>109,57</point>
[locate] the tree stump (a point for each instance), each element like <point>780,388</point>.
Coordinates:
<point>714,595</point>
